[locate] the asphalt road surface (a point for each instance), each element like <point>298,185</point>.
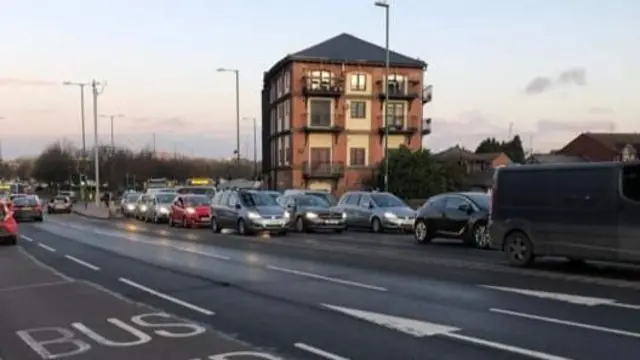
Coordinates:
<point>350,296</point>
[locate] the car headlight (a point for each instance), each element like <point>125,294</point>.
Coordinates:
<point>143,208</point>
<point>287,215</point>
<point>190,210</point>
<point>253,215</point>
<point>130,207</point>
<point>311,215</point>
<point>164,210</point>
<point>344,215</point>
<point>390,215</point>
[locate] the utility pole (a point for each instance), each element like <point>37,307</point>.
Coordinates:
<point>111,118</point>
<point>97,89</point>
<point>237,74</point>
<point>154,145</point>
<point>385,83</point>
<point>83,162</point>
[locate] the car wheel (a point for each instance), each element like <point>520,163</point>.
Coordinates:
<point>214,226</point>
<point>376,225</point>
<point>519,249</point>
<point>242,228</point>
<point>300,224</point>
<point>185,223</point>
<point>481,237</point>
<point>40,219</point>
<point>338,231</point>
<point>421,232</point>
<point>13,240</point>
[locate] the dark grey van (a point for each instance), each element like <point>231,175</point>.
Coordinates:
<point>578,211</point>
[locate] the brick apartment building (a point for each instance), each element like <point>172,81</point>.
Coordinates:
<point>322,113</point>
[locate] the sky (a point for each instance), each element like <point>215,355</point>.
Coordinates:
<point>544,69</point>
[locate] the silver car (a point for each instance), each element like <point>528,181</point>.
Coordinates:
<point>128,203</point>
<point>142,205</point>
<point>377,211</point>
<point>159,207</point>
<point>248,212</point>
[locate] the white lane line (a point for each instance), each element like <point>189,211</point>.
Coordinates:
<point>625,306</point>
<point>319,352</point>
<point>566,322</point>
<point>507,348</point>
<point>167,297</point>
<point>82,262</point>
<point>203,253</point>
<point>326,278</point>
<point>27,238</point>
<point>46,247</point>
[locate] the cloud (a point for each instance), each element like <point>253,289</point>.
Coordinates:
<point>162,123</point>
<point>573,77</point>
<point>26,82</point>
<point>538,85</point>
<point>601,110</point>
<point>555,126</point>
<point>467,128</point>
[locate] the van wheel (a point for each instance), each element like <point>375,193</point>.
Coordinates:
<point>519,249</point>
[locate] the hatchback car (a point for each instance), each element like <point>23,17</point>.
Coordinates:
<point>248,212</point>
<point>60,204</point>
<point>159,208</point>
<point>128,204</point>
<point>27,208</point>
<point>377,211</point>
<point>190,211</point>
<point>310,213</point>
<point>8,225</point>
<point>460,215</point>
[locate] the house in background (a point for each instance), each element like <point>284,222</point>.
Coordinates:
<point>479,168</point>
<point>553,158</point>
<point>604,147</point>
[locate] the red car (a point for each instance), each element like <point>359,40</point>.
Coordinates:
<point>8,225</point>
<point>190,210</point>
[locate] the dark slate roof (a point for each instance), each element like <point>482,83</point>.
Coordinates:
<point>456,153</point>
<point>346,48</point>
<point>616,141</point>
<point>553,159</point>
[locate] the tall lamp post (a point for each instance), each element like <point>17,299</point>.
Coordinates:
<point>82,170</point>
<point>237,73</point>
<point>385,6</point>
<point>111,118</point>
<point>97,88</point>
<point>255,146</point>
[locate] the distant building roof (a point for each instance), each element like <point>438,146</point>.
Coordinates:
<point>346,48</point>
<point>459,153</point>
<point>553,159</point>
<point>616,141</point>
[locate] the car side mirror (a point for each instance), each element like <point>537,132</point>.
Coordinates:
<point>465,208</point>
<point>238,206</point>
<point>371,205</point>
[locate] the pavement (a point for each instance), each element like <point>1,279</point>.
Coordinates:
<point>94,211</point>
<point>343,296</point>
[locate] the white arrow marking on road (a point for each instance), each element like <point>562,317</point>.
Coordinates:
<point>420,328</point>
<point>573,299</point>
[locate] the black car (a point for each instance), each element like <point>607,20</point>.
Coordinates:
<point>309,213</point>
<point>60,204</point>
<point>462,215</point>
<point>27,208</point>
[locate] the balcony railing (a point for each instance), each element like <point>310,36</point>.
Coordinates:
<point>398,92</point>
<point>322,86</point>
<point>426,126</point>
<point>322,169</point>
<point>427,94</point>
<point>322,120</point>
<point>396,122</point>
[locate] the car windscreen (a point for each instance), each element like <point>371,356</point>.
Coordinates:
<point>198,191</point>
<point>165,198</point>
<point>312,201</point>
<point>25,201</point>
<point>61,198</point>
<point>197,201</point>
<point>257,198</point>
<point>132,197</point>
<point>387,200</point>
<point>324,196</point>
<point>480,199</point>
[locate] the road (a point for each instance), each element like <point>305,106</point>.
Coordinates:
<point>347,296</point>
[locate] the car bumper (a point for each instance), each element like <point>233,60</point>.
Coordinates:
<point>274,226</point>
<point>201,221</point>
<point>27,215</point>
<point>320,224</point>
<point>398,224</point>
<point>54,209</point>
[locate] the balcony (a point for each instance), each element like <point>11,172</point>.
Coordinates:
<point>426,127</point>
<point>397,125</point>
<point>322,86</point>
<point>322,170</point>
<point>427,94</point>
<point>396,93</point>
<point>321,123</point>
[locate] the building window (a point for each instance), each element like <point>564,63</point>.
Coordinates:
<point>320,156</point>
<point>358,109</point>
<point>287,150</point>
<point>357,157</point>
<point>272,93</point>
<point>287,82</point>
<point>395,115</point>
<point>320,80</point>
<point>396,84</point>
<point>273,121</point>
<point>320,113</point>
<point>281,152</point>
<point>358,82</point>
<point>278,117</point>
<point>287,114</point>
<point>279,82</point>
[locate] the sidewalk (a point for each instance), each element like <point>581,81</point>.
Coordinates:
<point>94,211</point>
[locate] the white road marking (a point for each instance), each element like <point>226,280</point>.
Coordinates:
<point>203,253</point>
<point>167,297</point>
<point>567,323</point>
<point>317,351</point>
<point>27,238</point>
<point>420,328</point>
<point>33,286</point>
<point>573,299</point>
<point>46,247</point>
<point>326,278</point>
<point>82,262</point>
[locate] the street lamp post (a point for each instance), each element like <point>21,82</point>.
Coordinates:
<point>255,147</point>
<point>111,118</point>
<point>97,89</point>
<point>385,6</point>
<point>237,73</point>
<point>83,192</point>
